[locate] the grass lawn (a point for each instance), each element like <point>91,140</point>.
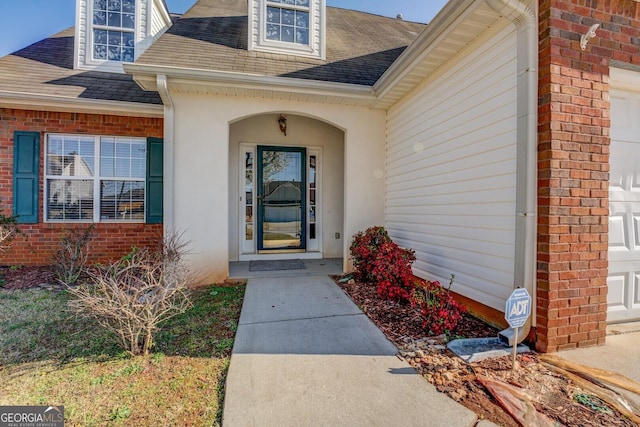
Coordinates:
<point>49,356</point>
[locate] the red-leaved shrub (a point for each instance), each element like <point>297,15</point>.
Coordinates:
<point>392,272</point>
<point>381,262</point>
<point>364,249</point>
<point>439,310</point>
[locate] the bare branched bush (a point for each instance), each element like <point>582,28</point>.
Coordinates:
<point>71,259</point>
<point>8,231</point>
<point>133,296</point>
<point>6,235</point>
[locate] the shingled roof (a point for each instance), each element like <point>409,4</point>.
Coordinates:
<point>46,68</point>
<point>212,36</point>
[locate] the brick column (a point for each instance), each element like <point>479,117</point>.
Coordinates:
<point>573,176</point>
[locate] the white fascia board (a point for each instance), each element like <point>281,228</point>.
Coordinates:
<point>29,101</point>
<point>145,76</point>
<point>440,26</point>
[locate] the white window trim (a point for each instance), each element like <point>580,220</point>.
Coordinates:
<point>280,45</point>
<point>248,250</point>
<point>315,245</point>
<point>317,34</point>
<point>96,178</point>
<point>107,65</point>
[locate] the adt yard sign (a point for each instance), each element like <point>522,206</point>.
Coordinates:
<point>518,308</point>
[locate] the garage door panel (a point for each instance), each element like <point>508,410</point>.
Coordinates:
<point>617,234</point>
<point>623,297</point>
<point>636,290</point>
<point>618,285</point>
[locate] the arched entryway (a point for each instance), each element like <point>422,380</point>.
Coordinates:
<point>286,188</point>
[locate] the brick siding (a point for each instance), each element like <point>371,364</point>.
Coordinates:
<point>573,168</point>
<point>41,241</point>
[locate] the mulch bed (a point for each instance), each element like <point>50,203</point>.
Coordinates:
<point>401,321</point>
<point>24,277</point>
<point>551,393</point>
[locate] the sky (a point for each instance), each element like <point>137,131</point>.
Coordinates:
<point>23,22</point>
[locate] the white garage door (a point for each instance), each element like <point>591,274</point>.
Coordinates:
<point>624,201</point>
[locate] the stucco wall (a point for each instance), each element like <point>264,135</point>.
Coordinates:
<point>301,132</point>
<point>201,196</point>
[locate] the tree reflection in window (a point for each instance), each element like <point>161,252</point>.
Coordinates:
<point>288,21</point>
<point>114,22</point>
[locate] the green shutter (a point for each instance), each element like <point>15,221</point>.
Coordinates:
<point>26,165</point>
<point>154,180</point>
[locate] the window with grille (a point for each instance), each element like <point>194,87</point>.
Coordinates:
<point>95,178</point>
<point>291,27</point>
<point>288,21</point>
<point>114,23</point>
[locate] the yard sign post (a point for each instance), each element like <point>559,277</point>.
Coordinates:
<point>516,314</point>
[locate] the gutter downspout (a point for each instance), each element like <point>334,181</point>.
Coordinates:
<point>167,154</point>
<point>525,21</point>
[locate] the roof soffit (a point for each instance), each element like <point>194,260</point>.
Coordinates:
<point>456,27</point>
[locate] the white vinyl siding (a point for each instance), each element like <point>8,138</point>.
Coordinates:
<point>451,171</point>
<point>156,20</point>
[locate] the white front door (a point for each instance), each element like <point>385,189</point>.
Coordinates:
<point>624,204</point>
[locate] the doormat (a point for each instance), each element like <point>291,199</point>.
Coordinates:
<point>284,264</point>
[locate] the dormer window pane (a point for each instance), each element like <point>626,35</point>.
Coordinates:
<point>129,6</point>
<point>273,32</point>
<point>128,40</point>
<point>115,5</point>
<point>287,34</point>
<point>302,36</point>
<point>288,17</point>
<point>114,20</point>
<point>273,15</point>
<point>114,53</point>
<point>128,20</point>
<point>100,17</point>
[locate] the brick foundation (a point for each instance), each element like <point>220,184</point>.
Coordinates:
<point>40,242</point>
<point>573,168</point>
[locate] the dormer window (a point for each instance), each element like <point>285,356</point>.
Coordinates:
<point>288,21</point>
<point>114,24</point>
<point>112,32</point>
<point>293,27</point>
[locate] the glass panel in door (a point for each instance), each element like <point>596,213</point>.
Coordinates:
<point>281,198</point>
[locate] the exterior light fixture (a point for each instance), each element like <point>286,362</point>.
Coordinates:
<point>282,121</point>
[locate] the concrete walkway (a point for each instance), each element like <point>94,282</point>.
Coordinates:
<point>305,355</point>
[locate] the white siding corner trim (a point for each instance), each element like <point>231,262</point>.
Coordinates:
<point>450,190</point>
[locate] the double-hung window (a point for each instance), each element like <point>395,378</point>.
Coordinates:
<point>95,178</point>
<point>114,23</point>
<point>288,21</point>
